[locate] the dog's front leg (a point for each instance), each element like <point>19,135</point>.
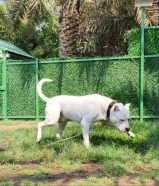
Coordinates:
<point>85,132</point>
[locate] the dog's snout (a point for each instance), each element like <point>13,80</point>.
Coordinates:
<point>127,129</point>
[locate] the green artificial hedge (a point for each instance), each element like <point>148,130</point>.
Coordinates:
<point>109,78</point>
<point>118,79</point>
<point>21,90</point>
<point>1,93</point>
<point>151,42</point>
<point>151,75</point>
<point>151,86</point>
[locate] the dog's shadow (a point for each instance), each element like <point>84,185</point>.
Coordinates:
<point>53,142</point>
<point>2,149</point>
<point>95,140</point>
<point>138,146</point>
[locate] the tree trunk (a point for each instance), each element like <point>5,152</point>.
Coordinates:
<point>69,31</point>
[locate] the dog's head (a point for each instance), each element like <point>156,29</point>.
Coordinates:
<point>119,116</point>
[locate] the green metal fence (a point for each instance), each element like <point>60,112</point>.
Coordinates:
<point>129,79</point>
<point>120,78</point>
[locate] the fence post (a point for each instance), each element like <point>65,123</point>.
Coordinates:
<point>37,96</point>
<point>4,84</point>
<point>142,66</point>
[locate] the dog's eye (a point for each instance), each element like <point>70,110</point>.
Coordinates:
<point>121,120</point>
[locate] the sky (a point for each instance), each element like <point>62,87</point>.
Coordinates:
<point>1,1</point>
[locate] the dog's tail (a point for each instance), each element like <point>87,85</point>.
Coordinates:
<point>39,88</point>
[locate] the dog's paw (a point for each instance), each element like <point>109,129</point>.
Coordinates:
<point>38,140</point>
<point>131,134</point>
<point>58,136</point>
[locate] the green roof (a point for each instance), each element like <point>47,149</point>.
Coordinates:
<point>6,46</point>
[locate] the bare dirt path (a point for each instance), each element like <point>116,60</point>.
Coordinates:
<point>15,127</point>
<point>18,124</point>
<point>56,177</point>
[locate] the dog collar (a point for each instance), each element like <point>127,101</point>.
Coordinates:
<point>109,107</point>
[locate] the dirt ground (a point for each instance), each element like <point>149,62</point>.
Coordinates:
<point>15,127</point>
<point>55,177</point>
<point>61,178</point>
<point>58,176</point>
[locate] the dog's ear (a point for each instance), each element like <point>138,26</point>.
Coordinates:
<point>127,106</point>
<point>116,108</point>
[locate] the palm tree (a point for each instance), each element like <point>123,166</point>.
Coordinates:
<point>104,25</point>
<point>152,14</point>
<point>31,10</point>
<point>69,28</point>
<point>27,11</point>
<point>5,24</point>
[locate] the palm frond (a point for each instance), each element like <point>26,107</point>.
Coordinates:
<point>54,7</point>
<point>151,14</point>
<point>27,11</point>
<point>103,26</point>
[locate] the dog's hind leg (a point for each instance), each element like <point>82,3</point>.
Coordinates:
<point>61,127</point>
<point>52,117</point>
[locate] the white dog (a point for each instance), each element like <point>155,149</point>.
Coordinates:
<point>84,110</point>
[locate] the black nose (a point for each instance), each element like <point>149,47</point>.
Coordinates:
<point>127,129</point>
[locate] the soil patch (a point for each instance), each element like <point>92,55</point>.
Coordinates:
<point>56,176</point>
<point>15,127</point>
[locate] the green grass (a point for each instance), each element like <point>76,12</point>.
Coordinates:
<point>6,183</point>
<point>93,181</point>
<point>116,153</point>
